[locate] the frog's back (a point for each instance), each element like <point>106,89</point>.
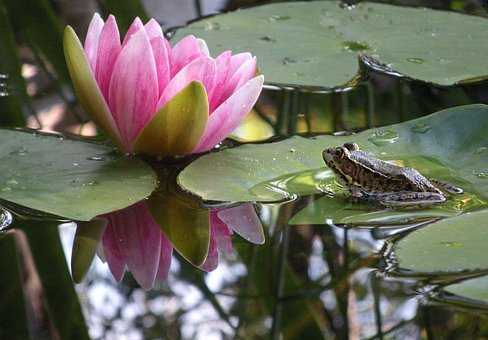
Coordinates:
<point>378,175</point>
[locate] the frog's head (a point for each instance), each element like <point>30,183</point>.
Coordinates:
<point>335,157</point>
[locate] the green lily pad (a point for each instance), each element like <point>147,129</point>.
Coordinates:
<point>450,145</point>
<point>450,246</point>
<point>69,178</point>
<point>473,289</point>
<point>317,43</point>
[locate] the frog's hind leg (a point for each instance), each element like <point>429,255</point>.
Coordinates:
<point>447,187</point>
<point>410,198</point>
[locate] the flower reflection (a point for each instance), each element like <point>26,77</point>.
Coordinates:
<point>133,241</point>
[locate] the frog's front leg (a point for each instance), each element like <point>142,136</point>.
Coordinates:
<point>447,187</point>
<point>410,198</point>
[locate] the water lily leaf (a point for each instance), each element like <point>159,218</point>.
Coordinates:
<point>69,178</point>
<point>177,127</point>
<point>473,289</point>
<point>449,246</point>
<point>184,223</point>
<point>450,145</point>
<point>443,48</point>
<point>87,238</point>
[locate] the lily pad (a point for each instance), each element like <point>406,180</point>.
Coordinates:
<point>450,145</point>
<point>69,178</point>
<point>473,289</point>
<point>317,43</point>
<point>450,246</point>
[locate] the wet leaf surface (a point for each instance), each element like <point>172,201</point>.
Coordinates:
<point>450,246</point>
<point>434,46</point>
<point>453,149</point>
<point>73,179</point>
<point>472,289</point>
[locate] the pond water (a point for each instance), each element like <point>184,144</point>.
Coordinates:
<point>303,262</point>
<point>327,268</point>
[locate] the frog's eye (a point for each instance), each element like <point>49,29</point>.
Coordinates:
<point>339,152</point>
<point>351,146</point>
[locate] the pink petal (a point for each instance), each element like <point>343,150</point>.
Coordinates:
<point>203,47</point>
<point>230,113</point>
<point>91,40</point>
<point>237,60</point>
<point>184,52</point>
<point>139,240</point>
<point>164,259</point>
<point>134,90</point>
<point>133,29</point>
<point>212,260</point>
<point>244,221</point>
<point>108,50</point>
<point>222,62</point>
<point>113,255</point>
<point>161,58</point>
<point>153,29</point>
<point>243,74</point>
<point>221,233</point>
<point>201,69</point>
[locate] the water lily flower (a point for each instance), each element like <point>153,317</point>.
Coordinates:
<point>154,98</point>
<point>133,241</point>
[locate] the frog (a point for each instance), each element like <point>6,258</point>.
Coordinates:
<point>370,178</point>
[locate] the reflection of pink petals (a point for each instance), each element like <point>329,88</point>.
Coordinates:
<point>220,242</point>
<point>113,255</point>
<point>244,221</point>
<point>133,240</point>
<point>164,259</point>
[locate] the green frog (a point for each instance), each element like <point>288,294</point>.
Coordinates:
<point>370,178</point>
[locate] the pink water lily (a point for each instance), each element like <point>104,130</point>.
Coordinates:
<point>158,99</point>
<point>133,241</point>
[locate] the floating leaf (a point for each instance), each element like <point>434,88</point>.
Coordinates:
<point>449,150</point>
<point>69,178</point>
<point>475,290</point>
<point>450,246</point>
<point>443,48</point>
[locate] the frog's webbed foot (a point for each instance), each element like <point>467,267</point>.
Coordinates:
<point>447,187</point>
<point>410,198</point>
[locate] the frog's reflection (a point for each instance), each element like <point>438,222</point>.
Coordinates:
<point>133,240</point>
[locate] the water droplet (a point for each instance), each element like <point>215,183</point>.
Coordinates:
<point>421,128</point>
<point>90,184</point>
<point>5,219</point>
<point>287,60</point>
<point>21,151</point>
<point>452,244</point>
<point>347,6</point>
<point>481,150</point>
<point>274,158</point>
<point>76,164</point>
<point>12,182</point>
<point>383,137</point>
<point>416,60</point>
<point>267,38</point>
<point>355,46</point>
<point>292,150</point>
<point>96,158</point>
<point>4,76</point>
<point>6,189</point>
<point>278,18</point>
<point>481,174</point>
<point>212,26</point>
